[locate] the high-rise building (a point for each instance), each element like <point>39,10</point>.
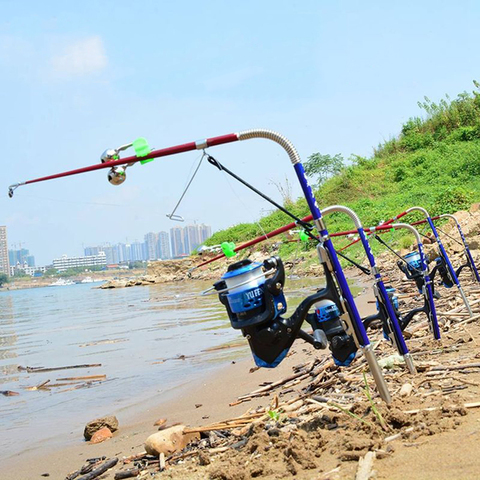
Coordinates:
<point>137,250</point>
<point>4,263</point>
<point>21,257</point>
<point>87,251</point>
<point>163,245</point>
<point>177,240</point>
<point>151,241</point>
<point>192,238</point>
<point>205,232</point>
<point>185,240</point>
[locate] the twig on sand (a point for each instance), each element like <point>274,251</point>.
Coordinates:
<point>365,466</point>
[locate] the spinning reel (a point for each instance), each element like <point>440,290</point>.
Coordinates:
<point>256,304</point>
<point>414,266</point>
<point>413,271</point>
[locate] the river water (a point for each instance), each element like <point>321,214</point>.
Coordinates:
<point>148,340</point>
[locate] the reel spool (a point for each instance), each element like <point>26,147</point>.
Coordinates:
<point>413,269</point>
<point>393,298</point>
<point>254,305</point>
<point>414,261</point>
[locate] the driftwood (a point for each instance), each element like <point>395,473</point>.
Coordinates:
<point>132,472</point>
<point>161,462</point>
<point>9,393</point>
<point>101,469</point>
<point>133,458</point>
<point>52,369</point>
<point>432,409</point>
<point>87,377</point>
<point>455,367</point>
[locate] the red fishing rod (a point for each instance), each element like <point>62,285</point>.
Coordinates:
<point>143,154</point>
<point>250,243</point>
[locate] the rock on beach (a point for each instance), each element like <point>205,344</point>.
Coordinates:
<point>110,422</point>
<point>168,441</point>
<point>101,435</point>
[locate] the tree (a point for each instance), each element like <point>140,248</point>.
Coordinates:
<point>3,279</point>
<point>321,167</point>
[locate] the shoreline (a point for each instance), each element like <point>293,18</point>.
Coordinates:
<point>214,391</point>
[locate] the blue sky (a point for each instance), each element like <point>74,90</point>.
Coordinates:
<point>80,77</point>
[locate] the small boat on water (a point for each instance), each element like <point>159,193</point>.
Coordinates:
<point>88,280</point>
<point>61,282</point>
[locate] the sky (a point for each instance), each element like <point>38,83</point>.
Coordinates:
<point>80,77</point>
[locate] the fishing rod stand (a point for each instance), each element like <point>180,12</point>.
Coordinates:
<point>386,310</point>
<point>424,282</point>
<point>470,262</point>
<point>443,254</point>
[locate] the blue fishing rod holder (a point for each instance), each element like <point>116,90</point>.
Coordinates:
<point>443,254</point>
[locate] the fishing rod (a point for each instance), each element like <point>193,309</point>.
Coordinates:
<point>444,265</point>
<point>443,255</point>
<point>384,304</point>
<point>470,262</point>
<point>270,336</point>
<point>307,227</point>
<point>417,264</point>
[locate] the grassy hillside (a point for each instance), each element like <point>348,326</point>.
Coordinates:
<point>433,163</point>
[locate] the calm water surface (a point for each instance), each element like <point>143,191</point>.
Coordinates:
<point>137,334</point>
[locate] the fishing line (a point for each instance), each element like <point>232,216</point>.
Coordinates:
<point>236,194</point>
<point>376,237</point>
<point>306,226</point>
<point>179,218</point>
<point>449,236</point>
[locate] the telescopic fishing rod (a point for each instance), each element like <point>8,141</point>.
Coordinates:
<point>468,254</point>
<point>443,254</point>
<point>444,265</point>
<point>386,310</point>
<point>269,335</point>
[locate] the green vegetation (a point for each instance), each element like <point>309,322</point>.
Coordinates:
<point>434,163</point>
<point>3,279</point>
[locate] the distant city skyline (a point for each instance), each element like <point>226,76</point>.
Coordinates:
<point>155,246</point>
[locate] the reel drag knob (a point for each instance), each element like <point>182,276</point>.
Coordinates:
<point>117,175</point>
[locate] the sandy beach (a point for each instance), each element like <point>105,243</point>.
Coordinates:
<point>213,392</point>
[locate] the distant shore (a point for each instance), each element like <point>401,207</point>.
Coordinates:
<point>40,282</point>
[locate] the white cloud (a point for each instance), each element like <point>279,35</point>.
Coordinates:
<point>80,58</point>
